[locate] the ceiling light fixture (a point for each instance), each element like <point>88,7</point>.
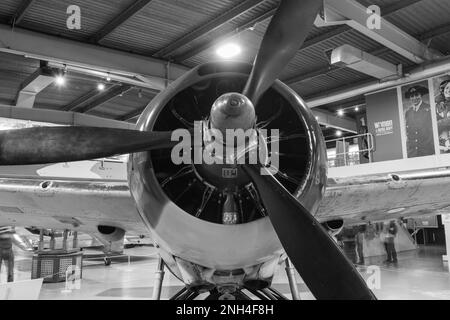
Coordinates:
<point>340,112</point>
<point>60,80</point>
<point>101,87</point>
<point>229,50</point>
<point>356,108</point>
<point>338,133</point>
<point>396,210</point>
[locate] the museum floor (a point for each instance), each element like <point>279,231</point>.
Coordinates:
<point>419,274</point>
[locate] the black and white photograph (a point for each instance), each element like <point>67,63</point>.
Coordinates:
<point>188,154</point>
<point>442,100</point>
<point>418,120</point>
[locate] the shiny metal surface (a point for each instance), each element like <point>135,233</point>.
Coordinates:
<point>208,244</point>
<point>370,198</point>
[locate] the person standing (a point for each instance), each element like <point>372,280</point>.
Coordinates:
<point>389,242</point>
<point>360,244</point>
<point>6,251</point>
<point>419,129</point>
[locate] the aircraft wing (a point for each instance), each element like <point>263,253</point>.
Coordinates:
<point>386,196</point>
<point>83,203</point>
<point>68,203</point>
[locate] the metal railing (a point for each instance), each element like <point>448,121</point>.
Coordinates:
<point>350,158</point>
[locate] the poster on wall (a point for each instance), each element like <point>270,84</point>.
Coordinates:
<point>383,121</point>
<point>442,99</point>
<point>418,123</point>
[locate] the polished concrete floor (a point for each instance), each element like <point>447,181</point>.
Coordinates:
<point>419,274</point>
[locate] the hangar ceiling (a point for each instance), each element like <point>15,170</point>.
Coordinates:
<point>186,33</point>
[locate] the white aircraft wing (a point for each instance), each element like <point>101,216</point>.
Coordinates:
<point>85,204</point>
<point>80,205</point>
<point>386,196</point>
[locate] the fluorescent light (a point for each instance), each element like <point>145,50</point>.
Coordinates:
<point>60,80</point>
<point>338,133</point>
<point>396,210</point>
<point>228,50</point>
<point>101,87</point>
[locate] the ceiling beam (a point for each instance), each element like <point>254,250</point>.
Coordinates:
<point>104,97</point>
<point>331,120</point>
<point>208,27</point>
<point>18,16</point>
<point>386,11</point>
<point>340,30</point>
<point>437,32</point>
<point>128,13</point>
<point>35,83</point>
<point>202,47</point>
<point>354,15</point>
<point>311,74</point>
<point>81,101</point>
<point>419,73</point>
<point>83,55</point>
<point>131,115</point>
<point>60,117</point>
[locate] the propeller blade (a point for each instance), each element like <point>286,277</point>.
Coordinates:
<point>319,261</point>
<point>284,36</point>
<point>41,145</point>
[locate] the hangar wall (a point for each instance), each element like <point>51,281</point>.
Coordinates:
<point>384,124</point>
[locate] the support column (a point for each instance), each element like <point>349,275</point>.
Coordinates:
<point>290,272</point>
<point>41,240</point>
<point>159,277</point>
<point>75,240</point>
<point>446,223</point>
<point>52,240</point>
<point>64,244</point>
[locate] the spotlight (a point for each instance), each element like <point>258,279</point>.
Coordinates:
<point>356,108</point>
<point>101,87</point>
<point>340,112</point>
<point>228,50</point>
<point>338,133</point>
<point>60,80</point>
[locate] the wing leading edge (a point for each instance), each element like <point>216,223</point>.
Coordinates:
<point>68,204</point>
<point>386,196</point>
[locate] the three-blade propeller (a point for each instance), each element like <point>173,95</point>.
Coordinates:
<point>325,270</point>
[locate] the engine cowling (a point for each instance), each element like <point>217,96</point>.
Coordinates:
<point>170,196</point>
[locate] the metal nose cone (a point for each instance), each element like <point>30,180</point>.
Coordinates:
<point>232,111</point>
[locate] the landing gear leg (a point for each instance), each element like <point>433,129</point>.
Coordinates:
<point>290,272</point>
<point>159,277</point>
<point>107,261</point>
